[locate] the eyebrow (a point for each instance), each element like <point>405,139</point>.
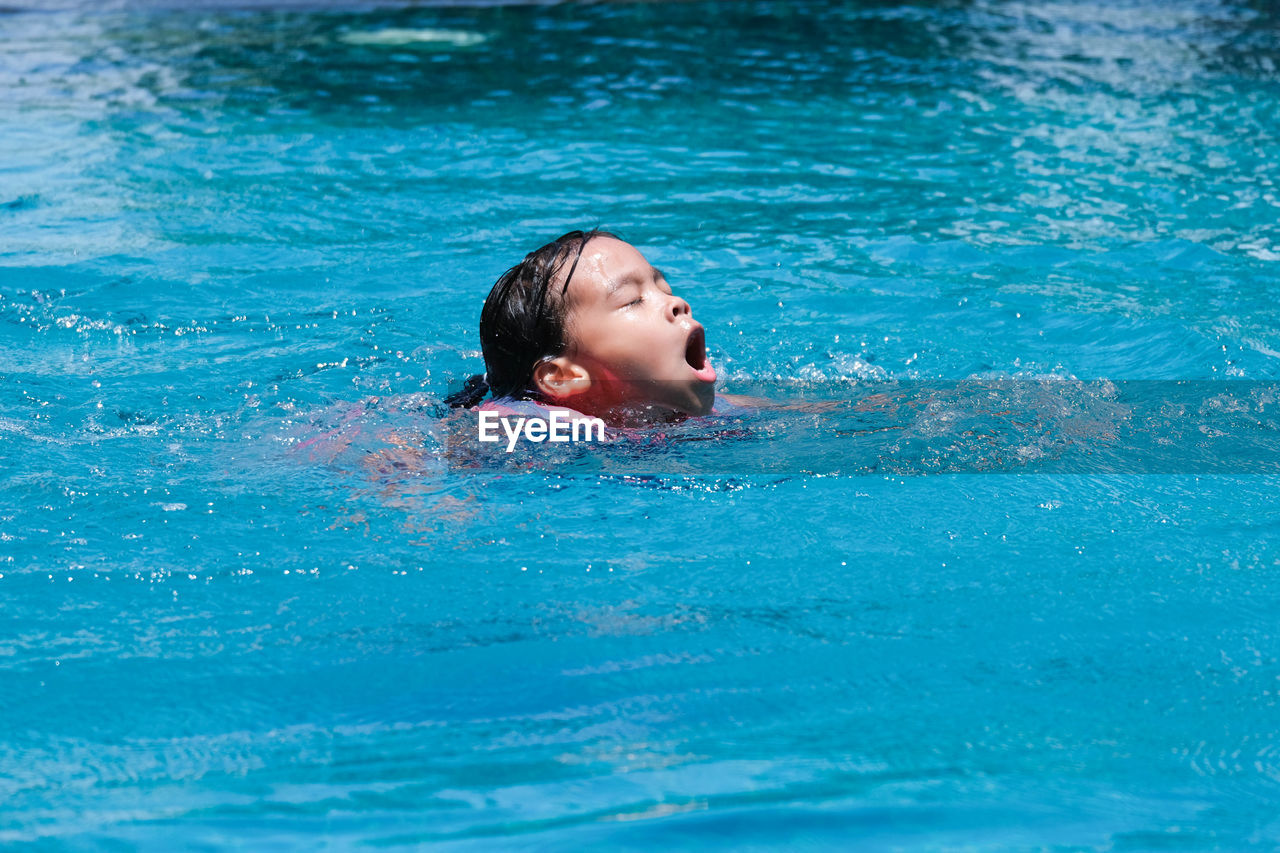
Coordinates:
<point>618,283</point>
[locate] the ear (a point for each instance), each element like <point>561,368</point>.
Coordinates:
<point>560,377</point>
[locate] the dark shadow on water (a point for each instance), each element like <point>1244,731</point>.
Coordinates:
<point>436,59</point>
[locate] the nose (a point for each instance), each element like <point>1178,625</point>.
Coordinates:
<point>678,307</point>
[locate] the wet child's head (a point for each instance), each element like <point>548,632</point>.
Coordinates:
<point>587,322</point>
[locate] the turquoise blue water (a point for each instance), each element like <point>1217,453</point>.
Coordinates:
<point>224,232</point>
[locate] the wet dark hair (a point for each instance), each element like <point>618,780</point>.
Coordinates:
<point>522,321</point>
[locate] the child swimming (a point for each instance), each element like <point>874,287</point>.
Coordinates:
<point>587,324</point>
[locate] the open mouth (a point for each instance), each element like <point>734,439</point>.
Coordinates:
<point>695,353</point>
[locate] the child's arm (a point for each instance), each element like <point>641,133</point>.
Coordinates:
<point>794,406</point>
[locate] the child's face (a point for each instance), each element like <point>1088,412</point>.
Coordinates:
<point>637,340</point>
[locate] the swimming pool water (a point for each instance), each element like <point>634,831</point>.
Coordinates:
<point>224,231</point>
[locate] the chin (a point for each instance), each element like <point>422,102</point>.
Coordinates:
<point>700,402</point>
<point>705,404</point>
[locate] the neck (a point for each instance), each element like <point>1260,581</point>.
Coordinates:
<point>619,413</point>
